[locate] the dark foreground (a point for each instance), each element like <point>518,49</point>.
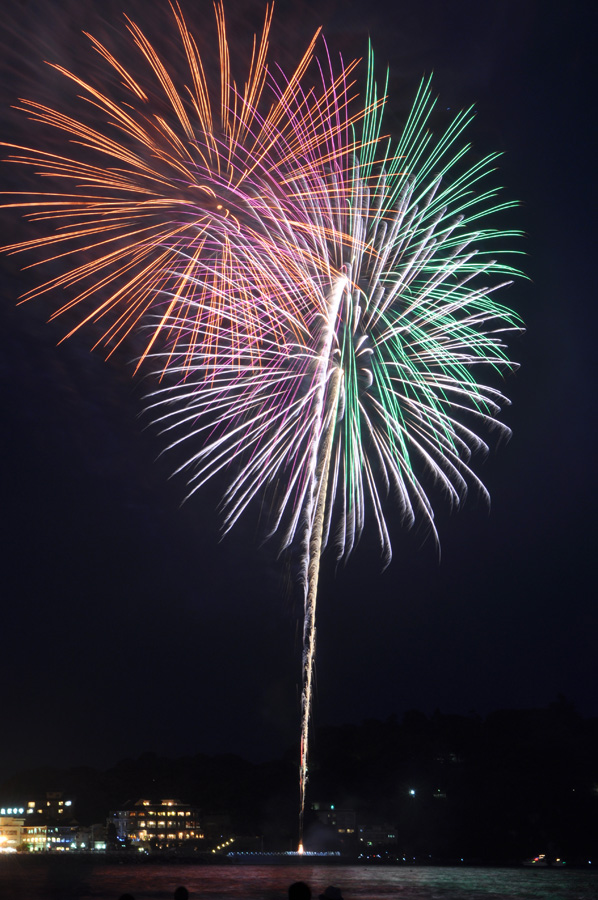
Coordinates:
<point>67,879</point>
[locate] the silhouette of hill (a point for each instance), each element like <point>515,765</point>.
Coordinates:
<point>514,784</point>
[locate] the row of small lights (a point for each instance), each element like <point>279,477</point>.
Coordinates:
<point>224,845</point>
<point>284,853</point>
<point>19,810</point>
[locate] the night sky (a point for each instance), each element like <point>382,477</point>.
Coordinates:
<point>129,625</point>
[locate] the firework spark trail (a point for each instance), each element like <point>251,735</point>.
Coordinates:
<point>323,296</point>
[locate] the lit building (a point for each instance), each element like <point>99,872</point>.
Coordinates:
<point>46,824</point>
<point>35,836</point>
<point>340,820</point>
<point>88,837</point>
<point>162,825</point>
<point>54,807</point>
<point>11,829</point>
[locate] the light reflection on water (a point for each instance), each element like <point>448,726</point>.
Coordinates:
<point>26,879</point>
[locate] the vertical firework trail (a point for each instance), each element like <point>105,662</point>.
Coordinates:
<point>329,384</point>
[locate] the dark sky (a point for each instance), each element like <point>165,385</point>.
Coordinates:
<point>130,626</point>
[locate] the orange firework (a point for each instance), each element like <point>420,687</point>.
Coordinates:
<point>170,192</point>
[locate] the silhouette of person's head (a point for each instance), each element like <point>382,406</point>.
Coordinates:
<point>332,893</point>
<point>299,890</point>
<point>181,893</point>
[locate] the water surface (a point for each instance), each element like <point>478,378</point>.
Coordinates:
<point>66,879</point>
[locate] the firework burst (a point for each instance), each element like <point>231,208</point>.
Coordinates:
<point>377,393</point>
<point>319,299</point>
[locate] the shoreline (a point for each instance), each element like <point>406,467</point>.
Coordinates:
<point>281,859</point>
